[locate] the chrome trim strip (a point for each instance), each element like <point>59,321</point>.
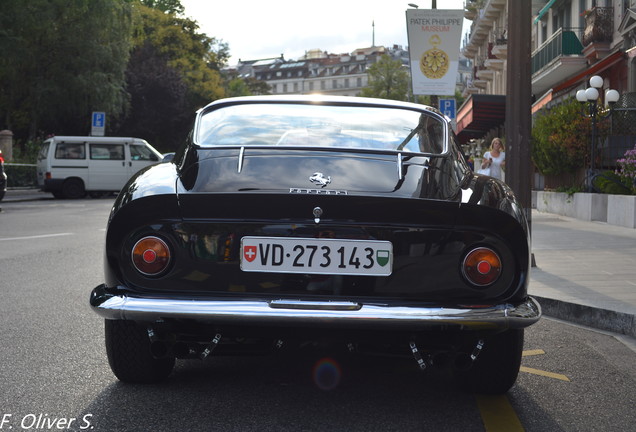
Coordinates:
<point>301,304</point>
<point>293,312</point>
<point>240,159</point>
<point>399,167</point>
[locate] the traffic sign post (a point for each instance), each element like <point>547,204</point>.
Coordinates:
<point>98,123</point>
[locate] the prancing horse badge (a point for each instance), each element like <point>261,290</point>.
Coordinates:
<point>319,179</point>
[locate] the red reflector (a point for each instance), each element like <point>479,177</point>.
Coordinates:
<point>151,256</point>
<point>482,266</point>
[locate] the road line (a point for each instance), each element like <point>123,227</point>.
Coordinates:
<point>533,352</point>
<point>497,414</point>
<point>544,373</point>
<point>35,237</point>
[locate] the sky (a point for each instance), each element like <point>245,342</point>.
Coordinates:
<point>257,29</point>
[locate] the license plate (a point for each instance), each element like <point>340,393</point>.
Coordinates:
<point>316,256</point>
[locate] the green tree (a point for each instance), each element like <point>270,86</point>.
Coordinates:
<point>560,139</point>
<point>168,6</point>
<point>62,59</point>
<point>238,87</point>
<point>184,76</point>
<point>387,80</point>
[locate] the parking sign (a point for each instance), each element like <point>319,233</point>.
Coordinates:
<point>447,107</point>
<point>98,123</point>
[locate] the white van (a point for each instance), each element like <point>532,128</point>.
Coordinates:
<point>70,166</point>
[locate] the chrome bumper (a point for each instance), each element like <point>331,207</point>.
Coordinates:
<point>295,312</point>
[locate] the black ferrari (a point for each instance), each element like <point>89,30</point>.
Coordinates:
<point>287,220</point>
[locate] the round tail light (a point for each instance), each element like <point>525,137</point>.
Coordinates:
<point>482,266</point>
<point>151,256</point>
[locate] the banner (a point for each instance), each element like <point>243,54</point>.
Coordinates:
<point>434,42</point>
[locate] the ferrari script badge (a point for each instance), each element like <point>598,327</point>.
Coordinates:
<point>319,179</point>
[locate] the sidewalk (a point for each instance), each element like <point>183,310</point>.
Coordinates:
<point>585,271</point>
<point>24,194</point>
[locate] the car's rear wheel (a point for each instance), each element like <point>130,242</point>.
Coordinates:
<point>73,189</point>
<point>496,368</point>
<point>129,356</point>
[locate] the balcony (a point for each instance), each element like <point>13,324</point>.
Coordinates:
<point>556,59</point>
<point>599,25</point>
<point>500,46</point>
<point>598,33</point>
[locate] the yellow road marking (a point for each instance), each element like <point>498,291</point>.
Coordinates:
<point>497,414</point>
<point>544,373</point>
<point>533,352</point>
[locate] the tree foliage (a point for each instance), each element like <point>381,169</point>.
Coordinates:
<point>168,6</point>
<point>62,59</point>
<point>174,70</point>
<point>560,139</point>
<point>157,98</point>
<point>387,80</point>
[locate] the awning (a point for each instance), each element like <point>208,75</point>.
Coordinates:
<point>543,11</point>
<point>479,114</point>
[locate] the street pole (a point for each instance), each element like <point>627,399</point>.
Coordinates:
<point>590,97</point>
<point>593,112</point>
<point>518,103</point>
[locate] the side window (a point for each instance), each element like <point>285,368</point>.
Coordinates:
<point>70,151</point>
<point>142,153</point>
<point>107,151</point>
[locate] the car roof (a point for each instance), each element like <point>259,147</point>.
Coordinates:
<point>318,99</point>
<point>94,139</point>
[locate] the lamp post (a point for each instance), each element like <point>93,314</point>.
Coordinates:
<point>590,97</point>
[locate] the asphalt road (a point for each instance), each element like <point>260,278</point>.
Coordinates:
<point>54,374</point>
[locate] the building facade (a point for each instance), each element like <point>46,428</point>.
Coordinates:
<point>319,71</point>
<point>572,40</point>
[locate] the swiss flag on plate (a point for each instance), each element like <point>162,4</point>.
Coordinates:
<point>249,253</point>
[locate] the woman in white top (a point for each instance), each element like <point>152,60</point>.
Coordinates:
<point>495,158</point>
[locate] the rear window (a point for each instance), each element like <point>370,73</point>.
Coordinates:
<point>343,126</point>
<point>44,151</point>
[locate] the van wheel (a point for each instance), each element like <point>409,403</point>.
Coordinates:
<point>73,189</point>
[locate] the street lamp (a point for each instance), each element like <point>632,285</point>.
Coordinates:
<point>590,97</point>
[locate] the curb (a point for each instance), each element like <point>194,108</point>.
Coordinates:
<point>602,319</point>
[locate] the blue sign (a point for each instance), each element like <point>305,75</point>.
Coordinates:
<point>99,118</point>
<point>447,107</point>
<point>98,123</point>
